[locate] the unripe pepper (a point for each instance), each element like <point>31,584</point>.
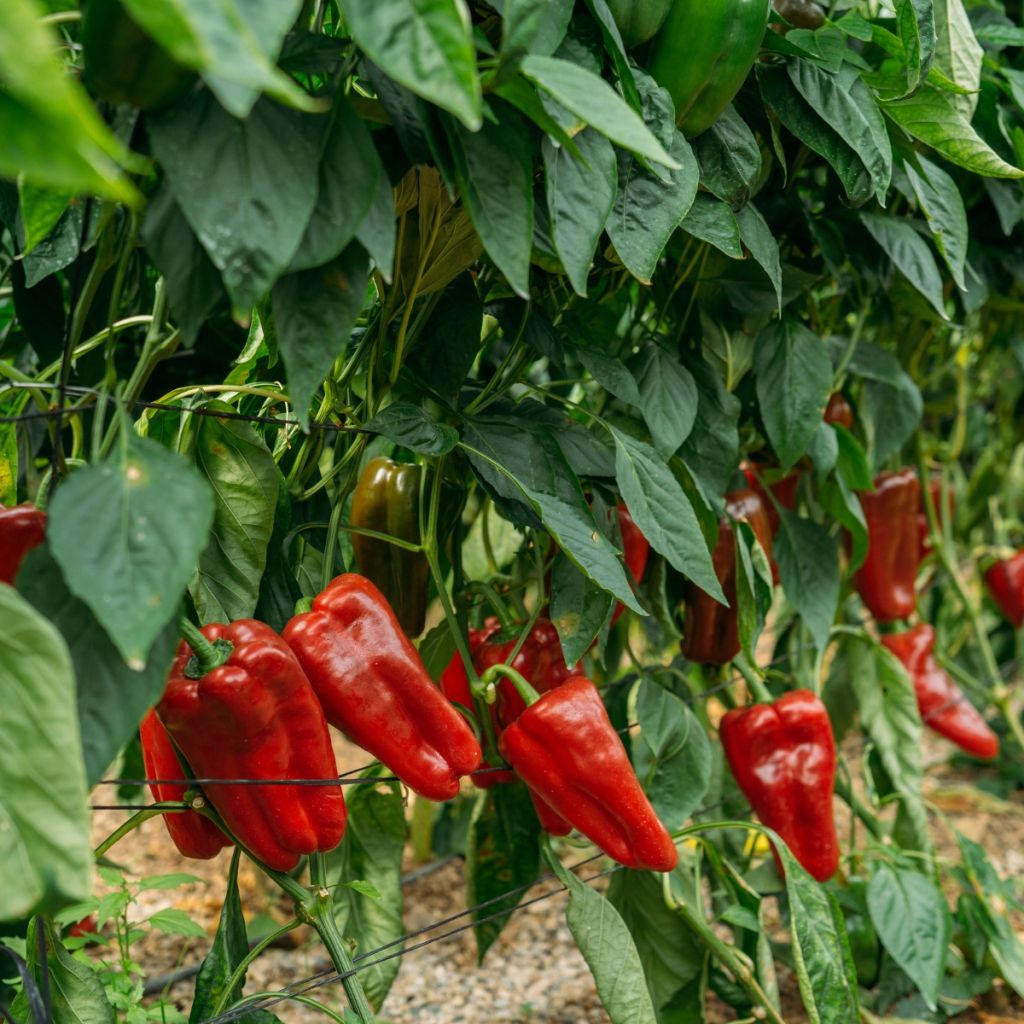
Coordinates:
<point>567,751</point>
<point>255,716</point>
<point>710,629</point>
<point>1005,582</point>
<point>22,528</point>
<point>886,580</point>
<point>839,410</point>
<point>783,757</point>
<point>375,689</point>
<point>638,20</point>
<point>703,54</point>
<point>124,64</point>
<point>943,706</point>
<point>194,836</point>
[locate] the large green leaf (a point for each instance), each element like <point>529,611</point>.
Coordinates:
<point>45,854</point>
<point>579,609</point>
<point>808,562</point>
<point>910,254</point>
<point>958,54</point>
<point>729,158</point>
<point>943,206</point>
<point>127,534</point>
<point>668,396</point>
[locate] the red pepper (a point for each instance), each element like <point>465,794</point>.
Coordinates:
<point>375,689</point>
<point>635,551</point>
<point>783,490</point>
<point>942,704</point>
<point>256,717</point>
<point>886,580</point>
<point>839,411</point>
<point>1005,581</point>
<point>783,757</point>
<point>710,630</point>
<point>22,528</point>
<point>923,529</point>
<point>567,751</point>
<point>194,836</point>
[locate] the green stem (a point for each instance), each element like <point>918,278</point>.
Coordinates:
<point>859,808</point>
<point>755,684</point>
<point>526,691</point>
<point>167,807</point>
<point>208,655</point>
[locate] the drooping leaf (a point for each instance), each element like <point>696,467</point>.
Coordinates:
<point>808,563</point>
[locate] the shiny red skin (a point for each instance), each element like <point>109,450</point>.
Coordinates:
<point>1005,582</point>
<point>783,757</point>
<point>943,706</point>
<point>256,717</point>
<point>22,528</point>
<point>886,580</point>
<point>194,836</point>
<point>710,630</point>
<point>375,689</point>
<point>923,529</point>
<point>567,751</point>
<point>839,411</point>
<point>635,550</point>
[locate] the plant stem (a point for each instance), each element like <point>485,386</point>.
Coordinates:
<point>526,691</point>
<point>166,807</point>
<point>208,655</point>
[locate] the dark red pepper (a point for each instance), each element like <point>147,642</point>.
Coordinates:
<point>710,629</point>
<point>635,551</point>
<point>943,706</point>
<point>22,528</point>
<point>839,411</point>
<point>1005,582</point>
<point>886,580</point>
<point>567,751</point>
<point>783,757</point>
<point>194,836</point>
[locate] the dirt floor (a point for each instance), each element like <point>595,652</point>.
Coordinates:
<point>533,974</point>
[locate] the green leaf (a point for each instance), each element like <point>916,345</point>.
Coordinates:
<point>53,136</point>
<point>314,312</point>
<point>610,952</point>
<point>713,221</point>
<point>758,238</point>
<point>913,922</point>
<point>712,449</point>
<point>226,177</point>
<point>671,954</point>
<point>173,880</point>
<point>245,481</point>
<point>579,609</point>
<point>916,22</point>
<point>943,207</point>
<point>794,377</point>
<point>45,852</point>
<point>662,511</point>
<point>412,427</point>
<point>40,209</point>
<point>425,45</point>
<point>371,852</point>
<point>591,98</point>
<point>671,754</point>
<point>668,396</point>
<point>809,572</point>
<point>502,854</point>
<point>176,922</point>
<point>496,181</point>
<point>958,55</point>
<point>821,950</point>
<point>754,589</point>
<point>580,194</point>
<point>910,255</point>
<point>534,26</point>
<point>611,373</point>
<point>111,697</point>
<point>523,462</point>
<point>127,534</point>
<point>233,45</point>
<point>450,339</point>
<point>729,158</point>
<point>933,117</point>
<point>377,232</point>
<point>891,415</point>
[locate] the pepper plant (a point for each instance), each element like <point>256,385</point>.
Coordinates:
<point>558,379</point>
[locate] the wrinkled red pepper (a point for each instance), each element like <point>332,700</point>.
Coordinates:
<point>886,580</point>
<point>567,751</point>
<point>839,411</point>
<point>783,757</point>
<point>1005,582</point>
<point>194,836</point>
<point>635,551</point>
<point>256,717</point>
<point>943,706</point>
<point>374,688</point>
<point>710,630</point>
<point>22,528</point>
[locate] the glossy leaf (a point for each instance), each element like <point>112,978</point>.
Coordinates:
<point>412,427</point>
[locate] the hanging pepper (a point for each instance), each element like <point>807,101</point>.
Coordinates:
<point>710,630</point>
<point>567,751</point>
<point>638,20</point>
<point>924,530</point>
<point>22,528</point>
<point>942,704</point>
<point>783,758</point>
<point>635,550</point>
<point>885,581</point>
<point>255,716</point>
<point>1005,581</point>
<point>374,688</point>
<point>703,54</point>
<point>838,409</point>
<point>194,836</point>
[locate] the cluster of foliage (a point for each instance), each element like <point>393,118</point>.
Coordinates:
<point>470,235</point>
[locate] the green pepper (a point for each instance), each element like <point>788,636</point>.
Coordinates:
<point>123,64</point>
<point>638,20</point>
<point>703,54</point>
